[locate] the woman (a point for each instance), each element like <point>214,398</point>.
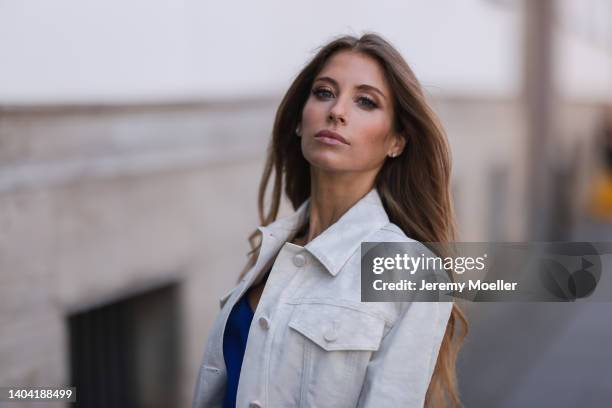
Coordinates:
<point>362,157</point>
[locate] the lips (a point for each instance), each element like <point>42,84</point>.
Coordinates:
<point>328,134</point>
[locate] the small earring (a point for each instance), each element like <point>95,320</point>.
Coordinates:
<point>298,132</point>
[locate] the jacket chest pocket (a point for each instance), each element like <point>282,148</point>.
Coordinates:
<point>337,343</point>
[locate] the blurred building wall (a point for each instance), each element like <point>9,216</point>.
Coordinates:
<point>99,204</point>
<point>115,179</point>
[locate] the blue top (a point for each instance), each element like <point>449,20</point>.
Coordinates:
<point>234,344</point>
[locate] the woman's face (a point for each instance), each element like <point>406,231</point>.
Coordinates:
<point>351,98</point>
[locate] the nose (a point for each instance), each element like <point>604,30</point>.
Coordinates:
<point>337,114</point>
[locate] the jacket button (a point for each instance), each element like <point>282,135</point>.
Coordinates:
<point>264,323</point>
<point>299,260</point>
<point>330,335</point>
<point>255,404</point>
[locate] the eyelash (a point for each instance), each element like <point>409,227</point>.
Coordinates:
<point>370,105</point>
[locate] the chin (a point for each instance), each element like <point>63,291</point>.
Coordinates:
<point>327,162</point>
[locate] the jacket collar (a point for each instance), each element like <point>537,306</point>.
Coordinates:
<point>339,241</point>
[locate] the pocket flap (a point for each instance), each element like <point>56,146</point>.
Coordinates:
<point>334,327</point>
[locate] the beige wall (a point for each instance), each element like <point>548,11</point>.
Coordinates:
<point>100,202</point>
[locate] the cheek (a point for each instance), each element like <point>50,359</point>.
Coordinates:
<point>370,135</point>
<point>312,114</point>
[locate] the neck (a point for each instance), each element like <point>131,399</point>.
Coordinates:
<point>332,195</point>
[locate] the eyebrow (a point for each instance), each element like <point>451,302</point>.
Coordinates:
<point>362,86</point>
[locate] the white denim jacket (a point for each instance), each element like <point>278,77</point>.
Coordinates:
<point>312,342</point>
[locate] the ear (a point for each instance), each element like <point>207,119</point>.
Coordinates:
<point>398,144</point>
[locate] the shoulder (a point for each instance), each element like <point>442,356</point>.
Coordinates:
<point>393,233</point>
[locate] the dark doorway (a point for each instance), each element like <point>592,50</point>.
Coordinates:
<point>125,353</point>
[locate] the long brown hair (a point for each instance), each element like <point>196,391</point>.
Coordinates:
<point>414,186</point>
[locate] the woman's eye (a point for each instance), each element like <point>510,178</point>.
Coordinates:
<point>325,93</point>
<point>367,102</point>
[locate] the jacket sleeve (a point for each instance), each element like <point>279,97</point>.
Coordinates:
<point>399,372</point>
